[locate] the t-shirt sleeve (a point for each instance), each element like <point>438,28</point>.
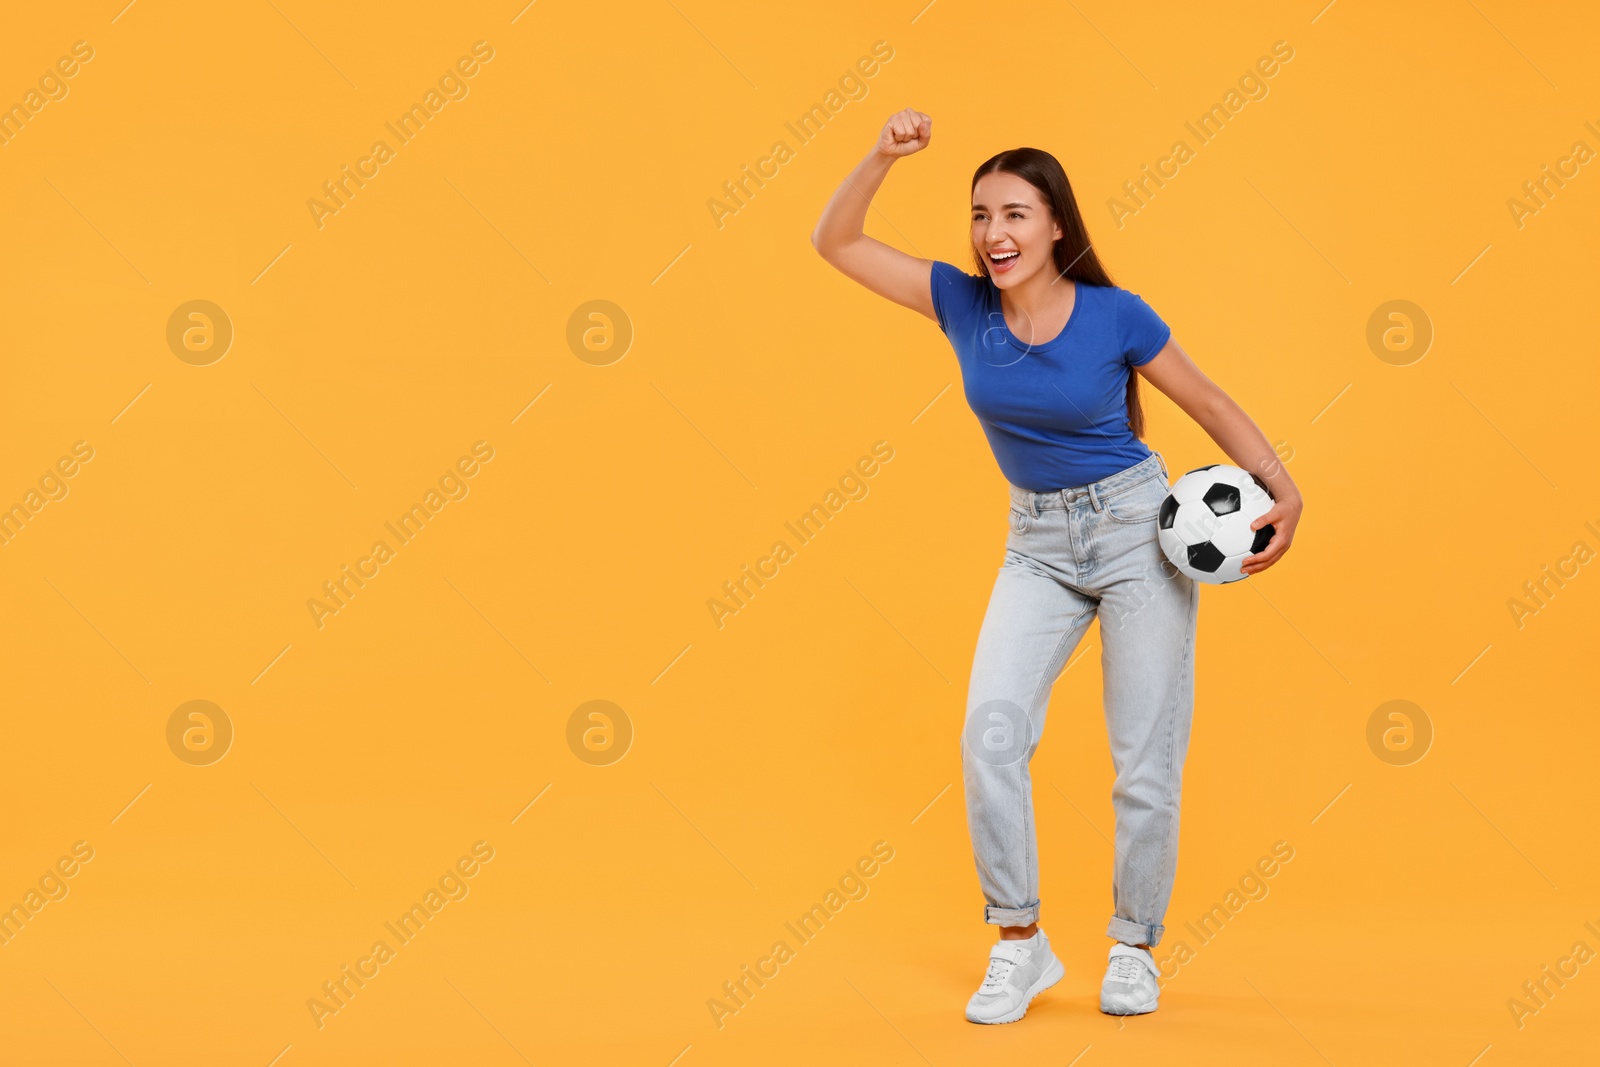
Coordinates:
<point>955,294</point>
<point>1143,333</point>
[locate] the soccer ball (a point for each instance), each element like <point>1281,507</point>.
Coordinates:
<point>1204,524</point>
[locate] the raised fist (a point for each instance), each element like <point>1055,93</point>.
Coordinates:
<point>906,132</point>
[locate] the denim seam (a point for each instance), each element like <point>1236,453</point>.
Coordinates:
<point>1172,725</point>
<point>1029,831</point>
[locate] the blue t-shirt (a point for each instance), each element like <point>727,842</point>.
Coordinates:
<point>1056,414</point>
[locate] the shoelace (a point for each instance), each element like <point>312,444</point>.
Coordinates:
<point>1125,968</point>
<point>1000,969</point>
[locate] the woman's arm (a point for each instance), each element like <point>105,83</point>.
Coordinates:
<point>887,271</point>
<point>1176,375</point>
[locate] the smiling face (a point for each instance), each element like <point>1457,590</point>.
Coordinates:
<point>1013,228</point>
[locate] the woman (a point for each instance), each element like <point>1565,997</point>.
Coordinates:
<point>1047,344</point>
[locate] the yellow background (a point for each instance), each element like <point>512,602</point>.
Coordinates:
<point>770,754</point>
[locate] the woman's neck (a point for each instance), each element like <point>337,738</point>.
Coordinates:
<point>1045,299</point>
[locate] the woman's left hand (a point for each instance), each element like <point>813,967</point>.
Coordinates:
<point>1284,515</point>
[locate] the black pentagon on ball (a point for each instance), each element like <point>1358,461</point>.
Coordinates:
<point>1207,467</point>
<point>1222,499</point>
<point>1205,557</point>
<point>1263,535</point>
<point>1169,509</point>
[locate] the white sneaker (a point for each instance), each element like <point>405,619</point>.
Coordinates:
<point>1130,986</point>
<point>1018,972</point>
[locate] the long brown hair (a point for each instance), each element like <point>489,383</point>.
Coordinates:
<point>1075,257</point>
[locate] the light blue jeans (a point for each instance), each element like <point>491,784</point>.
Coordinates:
<point>1072,554</point>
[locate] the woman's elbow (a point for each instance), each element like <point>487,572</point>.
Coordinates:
<point>1216,409</point>
<point>827,249</point>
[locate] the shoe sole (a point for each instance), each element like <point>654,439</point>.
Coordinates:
<point>1119,1007</point>
<point>1052,974</point>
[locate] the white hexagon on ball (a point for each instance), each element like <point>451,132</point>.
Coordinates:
<point>1203,525</point>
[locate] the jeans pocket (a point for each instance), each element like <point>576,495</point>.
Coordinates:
<point>1021,520</point>
<point>1138,503</point>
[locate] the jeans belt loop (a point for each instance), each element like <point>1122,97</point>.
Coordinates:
<point>1033,503</point>
<point>1094,496</point>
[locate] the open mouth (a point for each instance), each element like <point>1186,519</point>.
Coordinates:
<point>1000,262</point>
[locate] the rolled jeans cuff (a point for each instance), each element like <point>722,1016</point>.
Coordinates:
<point>1011,916</point>
<point>1132,933</point>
